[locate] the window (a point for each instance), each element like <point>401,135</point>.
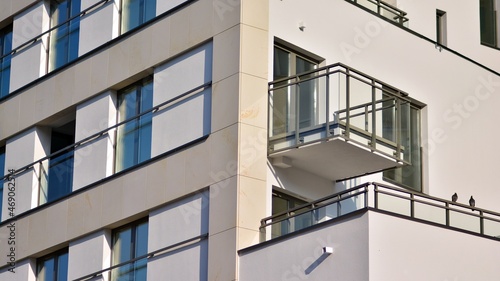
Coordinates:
<point>53,267</point>
<point>441,27</point>
<point>489,22</point>
<point>64,39</point>
<point>130,242</point>
<point>283,202</point>
<point>134,137</point>
<point>137,12</point>
<point>59,176</point>
<point>2,174</point>
<point>5,48</point>
<point>287,63</point>
<point>409,176</point>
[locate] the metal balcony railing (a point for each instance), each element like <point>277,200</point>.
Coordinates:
<point>59,166</point>
<point>385,10</point>
<point>385,198</point>
<point>338,100</point>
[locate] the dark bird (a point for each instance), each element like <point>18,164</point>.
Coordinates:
<point>472,202</point>
<point>454,197</point>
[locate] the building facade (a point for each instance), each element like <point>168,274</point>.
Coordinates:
<point>249,140</point>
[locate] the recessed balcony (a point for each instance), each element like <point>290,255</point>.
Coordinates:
<point>338,123</point>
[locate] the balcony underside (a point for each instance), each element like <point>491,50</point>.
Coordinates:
<point>334,159</point>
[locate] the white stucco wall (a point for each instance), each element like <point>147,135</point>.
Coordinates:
<point>461,96</point>
<point>296,258</point>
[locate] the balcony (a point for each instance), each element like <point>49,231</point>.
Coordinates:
<point>338,123</point>
<point>386,199</point>
<point>385,10</point>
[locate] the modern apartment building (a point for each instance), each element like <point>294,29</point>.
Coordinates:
<point>249,140</point>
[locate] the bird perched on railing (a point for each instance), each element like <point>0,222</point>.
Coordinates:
<point>472,202</point>
<point>454,197</point>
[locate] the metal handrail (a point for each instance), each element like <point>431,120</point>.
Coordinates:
<point>148,255</point>
<point>105,131</point>
<point>38,37</point>
<point>369,80</point>
<point>400,15</point>
<point>378,189</point>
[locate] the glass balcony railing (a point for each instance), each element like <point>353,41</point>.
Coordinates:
<point>337,100</point>
<point>385,198</point>
<point>384,9</point>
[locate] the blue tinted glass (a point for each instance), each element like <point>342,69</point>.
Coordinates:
<point>46,272</point>
<point>6,46</point>
<point>149,10</point>
<point>60,176</point>
<point>62,267</point>
<point>134,137</point>
<point>141,248</point>
<point>64,40</point>
<point>122,252</point>
<point>136,12</point>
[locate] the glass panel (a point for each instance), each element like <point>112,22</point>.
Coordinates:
<point>141,248</point>
<point>122,251</point>
<point>306,94</point>
<point>64,40</point>
<point>46,270</point>
<point>62,267</point>
<point>134,137</point>
<point>137,12</point>
<point>280,96</point>
<point>488,22</point>
<point>60,177</point>
<point>130,243</point>
<point>6,47</point>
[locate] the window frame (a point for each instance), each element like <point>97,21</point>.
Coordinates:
<point>137,157</point>
<point>70,29</point>
<point>414,105</point>
<point>133,228</point>
<point>141,14</point>
<point>483,13</point>
<point>6,36</point>
<point>295,53</point>
<point>55,255</point>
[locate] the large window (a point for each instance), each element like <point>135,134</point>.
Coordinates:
<point>137,12</point>
<point>287,63</point>
<point>2,174</point>
<point>53,267</point>
<point>409,176</point>
<point>489,22</point>
<point>130,242</point>
<point>283,202</point>
<point>64,40</point>
<point>5,49</point>
<point>134,137</point>
<point>59,175</point>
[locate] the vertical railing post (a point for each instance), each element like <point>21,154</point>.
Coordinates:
<point>375,197</point>
<point>327,101</point>
<point>398,127</point>
<point>447,205</point>
<point>339,208</point>
<point>297,108</point>
<point>412,205</point>
<point>347,104</point>
<point>374,118</point>
<point>481,222</point>
<point>378,7</point>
